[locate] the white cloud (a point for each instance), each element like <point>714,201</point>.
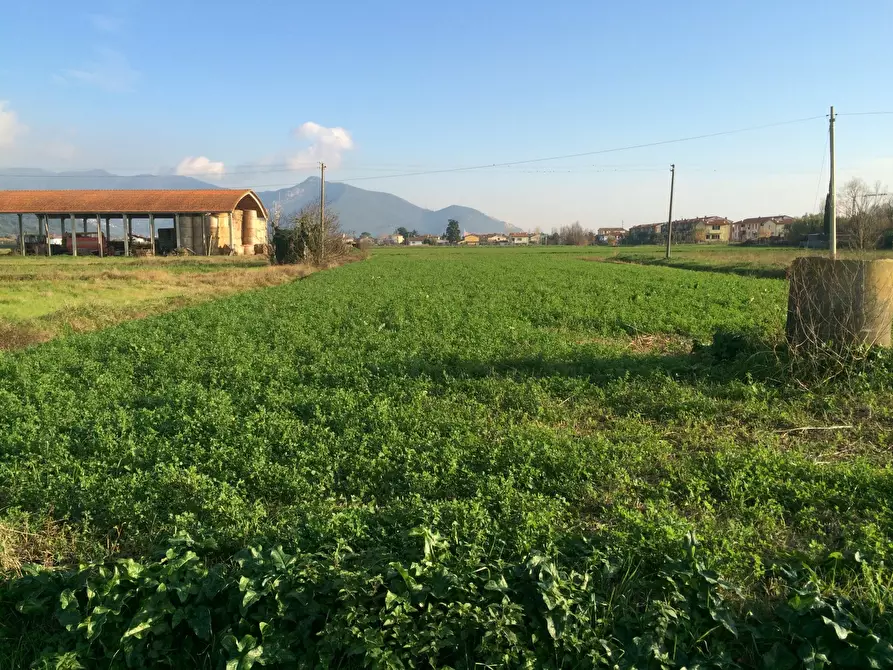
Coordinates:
<point>110,71</point>
<point>326,145</point>
<point>105,23</point>
<point>10,126</point>
<point>198,166</point>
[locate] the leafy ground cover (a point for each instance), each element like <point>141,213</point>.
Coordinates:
<point>747,261</point>
<point>42,298</point>
<point>446,457</point>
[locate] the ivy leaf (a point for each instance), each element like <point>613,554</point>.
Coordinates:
<point>550,626</point>
<point>137,630</point>
<point>246,660</point>
<point>280,558</point>
<point>200,621</point>
<point>779,658</point>
<point>840,630</point>
<point>250,598</point>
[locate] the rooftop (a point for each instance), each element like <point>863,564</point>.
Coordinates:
<point>111,201</point>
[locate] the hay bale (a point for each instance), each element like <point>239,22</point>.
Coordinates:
<point>223,230</point>
<point>842,302</point>
<point>249,220</point>
<point>237,231</point>
<point>198,235</point>
<point>186,232</point>
<point>260,232</point>
<point>214,233</point>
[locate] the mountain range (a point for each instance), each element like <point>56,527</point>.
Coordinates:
<point>379,213</point>
<point>359,210</point>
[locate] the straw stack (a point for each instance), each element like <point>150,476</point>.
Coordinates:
<point>260,231</point>
<point>223,230</point>
<point>249,221</point>
<point>186,231</point>
<point>198,237</point>
<point>237,232</point>
<point>214,233</point>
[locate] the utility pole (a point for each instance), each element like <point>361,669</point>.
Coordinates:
<point>670,221</point>
<point>832,195</point>
<point>322,211</point>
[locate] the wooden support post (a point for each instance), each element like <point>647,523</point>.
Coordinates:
<point>108,230</point>
<point>152,232</point>
<point>126,220</point>
<point>177,230</point>
<point>99,234</point>
<point>46,232</point>
<point>21,236</point>
<point>74,235</point>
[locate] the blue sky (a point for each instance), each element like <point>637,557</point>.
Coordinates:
<point>254,93</point>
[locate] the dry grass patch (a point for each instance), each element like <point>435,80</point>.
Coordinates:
<point>48,544</point>
<point>44,301</point>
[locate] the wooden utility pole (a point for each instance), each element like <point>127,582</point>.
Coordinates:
<point>322,211</point>
<point>670,221</point>
<point>832,193</point>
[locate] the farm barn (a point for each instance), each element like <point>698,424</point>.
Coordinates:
<point>207,221</point>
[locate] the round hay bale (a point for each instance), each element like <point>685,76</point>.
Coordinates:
<point>186,232</point>
<point>214,233</point>
<point>844,302</point>
<point>249,220</point>
<point>198,235</point>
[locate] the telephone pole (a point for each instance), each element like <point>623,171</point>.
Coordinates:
<point>832,194</point>
<point>670,221</point>
<point>322,210</point>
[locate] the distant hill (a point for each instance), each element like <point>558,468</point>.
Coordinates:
<point>379,213</point>
<point>41,180</point>
<point>360,210</point>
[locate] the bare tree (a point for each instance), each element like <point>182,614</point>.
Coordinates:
<point>573,235</point>
<point>864,213</point>
<point>302,242</point>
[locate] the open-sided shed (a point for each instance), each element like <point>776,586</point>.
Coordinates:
<point>205,221</point>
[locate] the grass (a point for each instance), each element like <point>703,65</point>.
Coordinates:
<point>42,298</point>
<point>509,402</point>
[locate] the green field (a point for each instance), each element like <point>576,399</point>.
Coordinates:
<point>468,456</point>
<point>42,298</point>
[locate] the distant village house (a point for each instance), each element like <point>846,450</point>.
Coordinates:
<point>761,228</point>
<point>612,236</point>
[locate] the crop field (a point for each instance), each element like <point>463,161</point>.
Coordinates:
<point>448,458</point>
<point>747,261</point>
<point>42,298</point>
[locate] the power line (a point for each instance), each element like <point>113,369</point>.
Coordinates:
<point>863,113</point>
<point>592,153</point>
<point>271,169</point>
